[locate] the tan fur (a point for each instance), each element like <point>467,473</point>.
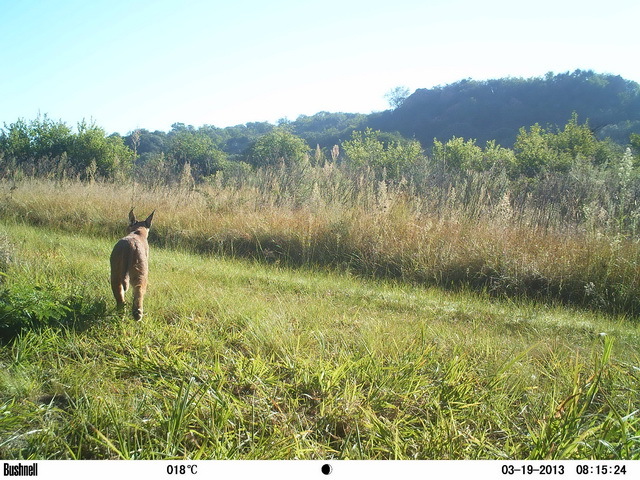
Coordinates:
<point>130,264</point>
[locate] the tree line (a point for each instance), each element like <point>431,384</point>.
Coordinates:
<point>45,147</point>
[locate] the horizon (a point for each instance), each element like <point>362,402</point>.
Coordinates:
<point>148,65</point>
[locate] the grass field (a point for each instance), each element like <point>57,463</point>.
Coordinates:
<point>465,235</point>
<point>245,360</point>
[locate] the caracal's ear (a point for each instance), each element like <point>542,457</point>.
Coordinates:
<point>132,217</point>
<point>147,222</point>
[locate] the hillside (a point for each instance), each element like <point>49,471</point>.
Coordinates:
<point>481,110</point>
<point>496,109</point>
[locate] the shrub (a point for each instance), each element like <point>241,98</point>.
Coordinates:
<point>34,307</point>
<point>391,158</point>
<point>279,147</point>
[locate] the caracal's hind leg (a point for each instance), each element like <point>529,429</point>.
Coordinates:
<point>139,285</point>
<point>119,287</point>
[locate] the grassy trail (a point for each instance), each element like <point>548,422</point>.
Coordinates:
<point>236,359</point>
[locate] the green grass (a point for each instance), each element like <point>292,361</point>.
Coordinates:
<point>238,359</point>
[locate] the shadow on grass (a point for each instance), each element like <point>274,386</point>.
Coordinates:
<point>594,291</point>
<point>24,308</point>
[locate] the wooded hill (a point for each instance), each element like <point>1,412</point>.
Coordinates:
<point>496,109</point>
<point>480,110</point>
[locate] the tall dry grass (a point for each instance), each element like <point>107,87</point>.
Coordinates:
<point>566,238</point>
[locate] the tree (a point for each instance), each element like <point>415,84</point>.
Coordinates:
<point>148,142</point>
<point>533,153</point>
<point>15,141</point>
<point>51,147</point>
<point>457,154</point>
<point>92,150</point>
<point>572,141</point>
<point>460,154</point>
<point>396,96</point>
<point>368,149</point>
<point>49,139</point>
<point>540,149</point>
<point>634,140</point>
<point>188,146</point>
<point>279,147</point>
<point>38,139</point>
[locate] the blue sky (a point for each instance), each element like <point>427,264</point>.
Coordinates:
<point>147,64</point>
